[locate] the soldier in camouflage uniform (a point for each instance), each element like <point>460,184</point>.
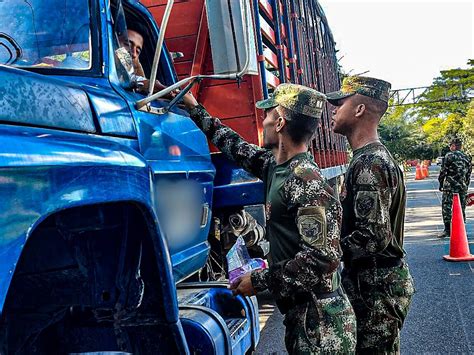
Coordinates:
<point>375,275</point>
<point>454,177</point>
<point>303,221</point>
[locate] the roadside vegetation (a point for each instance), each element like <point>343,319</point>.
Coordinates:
<point>423,130</point>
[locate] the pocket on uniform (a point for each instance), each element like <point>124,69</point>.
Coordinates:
<point>399,293</point>
<point>337,326</point>
<point>400,283</point>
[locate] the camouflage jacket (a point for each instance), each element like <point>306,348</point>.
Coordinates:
<point>455,174</point>
<point>303,215</point>
<point>373,206</point>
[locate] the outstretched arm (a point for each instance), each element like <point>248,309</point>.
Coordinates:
<point>251,157</point>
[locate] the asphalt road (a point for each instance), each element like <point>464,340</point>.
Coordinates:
<point>441,318</point>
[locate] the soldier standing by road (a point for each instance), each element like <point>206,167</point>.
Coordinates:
<point>454,177</point>
<point>375,276</point>
<point>303,221</point>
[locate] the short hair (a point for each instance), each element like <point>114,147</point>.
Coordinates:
<point>137,27</point>
<point>457,143</point>
<point>300,128</point>
<point>377,107</point>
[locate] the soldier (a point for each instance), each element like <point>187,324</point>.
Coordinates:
<point>454,177</point>
<point>375,275</point>
<point>303,221</point>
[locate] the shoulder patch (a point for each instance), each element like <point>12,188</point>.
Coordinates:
<point>306,171</point>
<point>311,222</point>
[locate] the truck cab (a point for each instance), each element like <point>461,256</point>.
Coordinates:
<point>106,206</point>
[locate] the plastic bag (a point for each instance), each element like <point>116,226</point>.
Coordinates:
<point>239,262</point>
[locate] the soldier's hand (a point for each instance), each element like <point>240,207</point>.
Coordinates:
<point>243,286</point>
<point>189,101</point>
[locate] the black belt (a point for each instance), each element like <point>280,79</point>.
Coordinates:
<point>286,304</point>
<point>375,263</point>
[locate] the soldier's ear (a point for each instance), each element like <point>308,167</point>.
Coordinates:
<point>360,109</point>
<point>280,124</point>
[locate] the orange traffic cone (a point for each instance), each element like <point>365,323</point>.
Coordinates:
<point>418,173</point>
<point>427,170</point>
<point>424,171</point>
<point>458,245</point>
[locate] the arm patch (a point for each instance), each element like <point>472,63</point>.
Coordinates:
<point>366,205</point>
<point>311,222</point>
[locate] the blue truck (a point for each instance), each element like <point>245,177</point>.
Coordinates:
<point>108,197</point>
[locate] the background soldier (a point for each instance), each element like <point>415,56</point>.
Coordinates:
<point>454,177</point>
<point>303,221</point>
<point>375,276</point>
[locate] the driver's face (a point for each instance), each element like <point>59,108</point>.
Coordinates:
<point>136,43</point>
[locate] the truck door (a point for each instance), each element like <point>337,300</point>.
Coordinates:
<point>176,150</point>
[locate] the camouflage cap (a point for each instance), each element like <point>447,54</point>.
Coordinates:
<point>297,98</point>
<point>363,85</point>
<point>456,141</point>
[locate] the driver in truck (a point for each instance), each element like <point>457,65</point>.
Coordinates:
<point>135,37</point>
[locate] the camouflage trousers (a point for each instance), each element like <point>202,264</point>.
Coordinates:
<point>323,326</point>
<point>381,299</point>
<point>447,205</point>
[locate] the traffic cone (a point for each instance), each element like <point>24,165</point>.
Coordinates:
<point>424,171</point>
<point>418,173</point>
<point>427,170</point>
<point>458,245</point>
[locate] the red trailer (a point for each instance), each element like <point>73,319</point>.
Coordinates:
<point>294,44</point>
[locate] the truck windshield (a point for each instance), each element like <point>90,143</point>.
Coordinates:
<point>45,34</point>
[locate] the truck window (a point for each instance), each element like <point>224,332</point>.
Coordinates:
<point>121,46</point>
<point>52,34</point>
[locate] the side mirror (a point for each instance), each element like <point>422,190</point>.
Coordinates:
<point>232,43</point>
<point>232,36</point>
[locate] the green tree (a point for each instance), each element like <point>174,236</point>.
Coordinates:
<point>447,93</point>
<point>467,131</point>
<point>423,130</point>
<point>400,134</point>
<point>433,130</point>
<point>438,131</point>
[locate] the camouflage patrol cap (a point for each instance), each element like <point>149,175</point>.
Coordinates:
<point>456,141</point>
<point>363,85</point>
<point>297,98</point>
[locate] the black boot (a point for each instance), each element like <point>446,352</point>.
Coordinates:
<point>447,231</point>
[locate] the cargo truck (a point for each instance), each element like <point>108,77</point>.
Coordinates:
<point>106,200</point>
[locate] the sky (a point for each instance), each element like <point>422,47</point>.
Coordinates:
<point>406,42</point>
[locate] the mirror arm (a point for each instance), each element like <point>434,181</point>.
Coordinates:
<point>180,95</point>
<point>159,45</point>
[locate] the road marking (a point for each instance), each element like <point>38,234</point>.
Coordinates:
<point>265,312</point>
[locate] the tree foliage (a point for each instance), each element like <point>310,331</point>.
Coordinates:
<point>444,96</point>
<point>423,130</point>
<point>467,132</point>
